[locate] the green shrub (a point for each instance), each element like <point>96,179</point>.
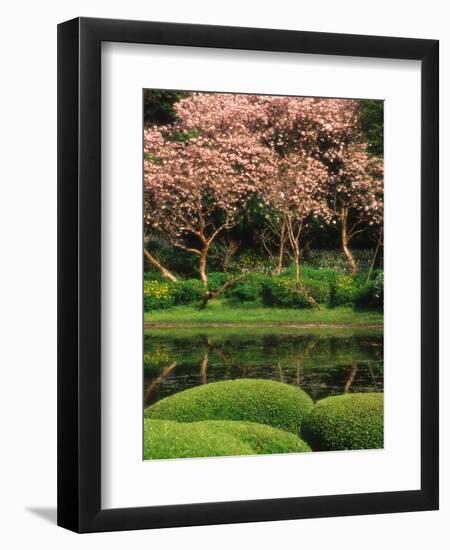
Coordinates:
<point>158,295</point>
<point>263,401</point>
<point>323,275</point>
<point>317,289</point>
<point>162,294</point>
<point>282,292</point>
<point>247,292</point>
<point>350,421</point>
<point>188,291</point>
<point>372,294</point>
<point>154,276</point>
<point>262,438</point>
<point>216,280</point>
<point>171,439</point>
<point>344,290</point>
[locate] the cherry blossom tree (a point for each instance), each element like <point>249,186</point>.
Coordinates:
<point>300,133</point>
<point>355,194</point>
<point>295,196</point>
<point>196,188</point>
<point>301,157</point>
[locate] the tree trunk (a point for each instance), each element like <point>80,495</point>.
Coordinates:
<point>296,251</point>
<point>155,263</point>
<point>281,252</point>
<point>344,240</point>
<point>202,266</point>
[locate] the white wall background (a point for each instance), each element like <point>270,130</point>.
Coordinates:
<point>28,271</point>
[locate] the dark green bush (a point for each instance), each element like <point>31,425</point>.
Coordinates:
<point>282,292</point>
<point>372,294</point>
<point>322,275</point>
<point>317,289</point>
<point>344,290</point>
<point>216,280</point>
<point>344,422</point>
<point>247,292</point>
<point>263,401</point>
<point>188,291</point>
<point>154,276</point>
<point>171,439</point>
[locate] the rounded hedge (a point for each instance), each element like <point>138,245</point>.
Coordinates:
<point>262,438</point>
<point>262,401</point>
<point>345,422</point>
<point>171,439</point>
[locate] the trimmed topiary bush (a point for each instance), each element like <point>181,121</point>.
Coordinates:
<point>262,438</point>
<point>344,422</point>
<point>171,439</point>
<point>262,401</point>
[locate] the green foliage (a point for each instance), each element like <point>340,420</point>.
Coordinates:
<point>336,261</point>
<point>158,106</point>
<point>343,290</point>
<point>350,421</point>
<point>325,286</point>
<point>162,293</point>
<point>372,294</point>
<point>150,158</point>
<point>317,289</point>
<point>250,261</point>
<point>154,276</point>
<point>182,136</point>
<point>188,291</point>
<point>216,280</point>
<point>158,295</point>
<point>372,124</point>
<point>282,292</point>
<point>263,401</point>
<point>170,439</point>
<point>246,292</point>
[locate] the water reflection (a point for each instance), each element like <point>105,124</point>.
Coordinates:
<point>321,364</point>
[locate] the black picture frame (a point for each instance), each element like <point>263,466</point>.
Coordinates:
<point>79,274</point>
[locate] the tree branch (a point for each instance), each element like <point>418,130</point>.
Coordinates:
<point>188,249</point>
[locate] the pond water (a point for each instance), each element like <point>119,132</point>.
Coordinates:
<point>322,363</point>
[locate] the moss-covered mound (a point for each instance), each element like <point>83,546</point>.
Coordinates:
<point>170,439</point>
<point>351,421</point>
<point>262,401</point>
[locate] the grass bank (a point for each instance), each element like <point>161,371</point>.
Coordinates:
<point>220,313</point>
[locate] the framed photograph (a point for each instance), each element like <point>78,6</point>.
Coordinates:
<point>247,276</point>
